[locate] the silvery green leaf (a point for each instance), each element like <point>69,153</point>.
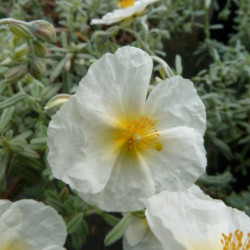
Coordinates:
<point>118,231</point>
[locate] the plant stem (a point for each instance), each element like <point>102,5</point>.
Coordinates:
<point>168,72</point>
<point>137,37</point>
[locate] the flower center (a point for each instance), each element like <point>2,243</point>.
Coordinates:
<point>234,241</point>
<point>142,134</point>
<point>125,3</point>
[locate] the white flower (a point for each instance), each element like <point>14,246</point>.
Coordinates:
<point>128,9</point>
<point>139,236</point>
<point>30,225</point>
<point>114,148</point>
<point>184,220</point>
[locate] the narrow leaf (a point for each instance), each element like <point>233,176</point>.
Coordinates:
<point>12,100</point>
<point>118,231</point>
<point>5,117</point>
<point>74,223</point>
<point>110,219</point>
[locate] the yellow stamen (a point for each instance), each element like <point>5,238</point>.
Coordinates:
<point>141,134</point>
<point>125,3</point>
<point>234,241</point>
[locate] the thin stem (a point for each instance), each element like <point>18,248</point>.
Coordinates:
<point>137,37</point>
<point>207,21</point>
<point>169,73</point>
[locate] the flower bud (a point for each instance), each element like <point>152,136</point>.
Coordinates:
<point>20,30</point>
<point>39,48</point>
<point>20,52</point>
<point>16,73</point>
<point>37,68</point>
<point>55,103</point>
<point>43,30</point>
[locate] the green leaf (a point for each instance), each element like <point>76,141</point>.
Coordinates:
<point>39,140</point>
<point>24,135</point>
<point>162,73</point>
<point>12,100</point>
<point>118,231</point>
<point>216,180</point>
<point>223,147</point>
<point>84,228</point>
<point>110,219</point>
<point>5,117</point>
<point>60,66</point>
<point>74,223</point>
<point>28,152</point>
<point>139,214</point>
<point>4,158</point>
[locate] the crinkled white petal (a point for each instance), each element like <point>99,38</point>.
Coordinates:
<point>82,163</point>
<point>120,14</point>
<point>31,224</point>
<point>180,162</point>
<point>239,220</point>
<point>130,180</point>
<point>115,86</point>
<point>197,191</point>
<point>181,220</point>
<point>175,102</point>
<point>4,205</point>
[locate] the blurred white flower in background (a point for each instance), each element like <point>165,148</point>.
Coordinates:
<point>114,147</point>
<point>127,9</point>
<point>30,225</point>
<point>189,221</point>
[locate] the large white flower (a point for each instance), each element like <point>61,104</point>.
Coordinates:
<point>127,9</point>
<point>187,221</point>
<point>138,235</point>
<point>30,225</point>
<point>113,146</point>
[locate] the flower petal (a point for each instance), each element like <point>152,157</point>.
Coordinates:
<point>116,85</point>
<point>238,220</point>
<point>136,230</point>
<point>180,162</point>
<point>39,225</point>
<point>149,241</point>
<point>54,248</point>
<point>4,205</point>
<point>120,14</point>
<point>197,191</point>
<point>175,102</point>
<point>196,224</point>
<point>130,180</point>
<point>84,164</point>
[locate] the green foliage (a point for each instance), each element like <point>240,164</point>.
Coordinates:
<point>180,32</point>
<point>118,231</point>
